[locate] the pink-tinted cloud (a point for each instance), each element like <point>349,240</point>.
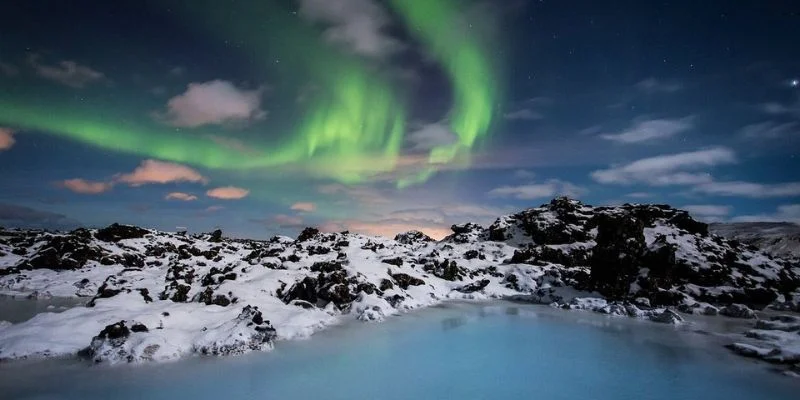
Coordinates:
<point>6,138</point>
<point>154,171</point>
<point>181,196</point>
<point>211,209</point>
<point>228,193</point>
<point>83,186</point>
<point>288,220</point>
<point>304,206</point>
<point>213,102</point>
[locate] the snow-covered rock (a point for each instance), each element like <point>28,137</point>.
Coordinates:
<point>206,293</point>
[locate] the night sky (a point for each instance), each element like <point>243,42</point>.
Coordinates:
<point>261,117</point>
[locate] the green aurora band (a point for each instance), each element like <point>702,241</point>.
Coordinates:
<point>440,26</point>
<point>351,131</point>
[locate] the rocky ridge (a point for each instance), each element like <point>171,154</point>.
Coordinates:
<point>156,295</point>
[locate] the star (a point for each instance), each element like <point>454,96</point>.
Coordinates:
<point>794,83</point>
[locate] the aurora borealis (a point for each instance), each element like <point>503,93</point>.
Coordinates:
<point>390,114</point>
<point>352,130</point>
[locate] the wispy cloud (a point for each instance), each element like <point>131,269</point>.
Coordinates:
<point>653,86</point>
<point>213,102</point>
<point>68,73</point>
<point>358,25</point>
<point>671,169</point>
<point>549,189</point>
<point>228,193</point>
<point>304,206</point>
<point>749,189</point>
<point>529,110</point>
<point>83,186</point>
<point>180,196</point>
<point>770,130</point>
<point>432,135</point>
<point>650,130</point>
<point>280,221</point>
<point>775,108</point>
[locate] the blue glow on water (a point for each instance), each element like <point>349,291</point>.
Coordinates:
<point>460,352</point>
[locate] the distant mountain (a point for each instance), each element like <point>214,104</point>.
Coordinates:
<point>157,295</point>
<point>781,239</point>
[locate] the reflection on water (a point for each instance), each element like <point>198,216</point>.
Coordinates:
<point>16,309</point>
<point>458,351</point>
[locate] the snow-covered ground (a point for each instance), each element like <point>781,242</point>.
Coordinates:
<point>157,296</point>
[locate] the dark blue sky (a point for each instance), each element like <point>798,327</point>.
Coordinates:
<point>135,111</point>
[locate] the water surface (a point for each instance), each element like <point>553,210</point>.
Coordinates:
<point>497,351</point>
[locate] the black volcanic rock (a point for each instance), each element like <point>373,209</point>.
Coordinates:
<point>412,237</point>
<point>116,232</point>
<point>307,234</point>
<point>617,257</point>
<point>405,280</point>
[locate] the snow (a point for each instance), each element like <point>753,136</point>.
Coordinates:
<point>226,279</point>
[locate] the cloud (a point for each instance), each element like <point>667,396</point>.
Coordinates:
<point>213,102</point>
<point>359,25</point>
<point>549,189</point>
<point>83,186</point>
<point>524,174</point>
<point>177,71</point>
<point>529,110</point>
<point>286,221</point>
<point>524,114</point>
<point>211,209</point>
<point>180,196</point>
<point>232,143</point>
<point>430,136</point>
<point>639,195</point>
<point>653,129</point>
<point>8,69</point>
<point>280,221</point>
<point>67,73</point>
<point>25,217</point>
<point>774,108</point>
<point>304,207</point>
<point>154,171</point>
<point>749,189</point>
<point>653,86</point>
<point>228,193</point>
<point>770,130</point>
<point>667,169</point>
<point>784,213</point>
<point>6,138</point>
<point>364,195</point>
<point>708,210</point>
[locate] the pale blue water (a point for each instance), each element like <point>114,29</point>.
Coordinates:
<point>499,351</point>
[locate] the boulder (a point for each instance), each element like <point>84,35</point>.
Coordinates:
<point>116,232</point>
<point>738,311</point>
<point>247,332</point>
<point>405,280</point>
<point>667,317</point>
